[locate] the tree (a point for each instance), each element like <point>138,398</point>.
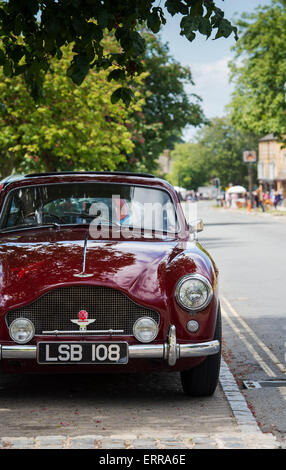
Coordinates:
<point>77,128</point>
<point>259,72</point>
<point>34,31</point>
<point>190,169</point>
<point>167,108</point>
<point>216,153</point>
<point>223,147</point>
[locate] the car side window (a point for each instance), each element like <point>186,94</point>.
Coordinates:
<point>14,214</point>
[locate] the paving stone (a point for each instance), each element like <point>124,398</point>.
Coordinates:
<point>252,439</point>
<point>205,446</point>
<point>234,445</point>
<point>203,442</point>
<point>16,443</point>
<point>113,444</point>
<point>144,443</point>
<point>239,406</point>
<point>199,439</point>
<point>265,441</point>
<point>171,444</point>
<point>50,441</point>
<point>249,428</point>
<point>84,442</point>
<point>231,443</point>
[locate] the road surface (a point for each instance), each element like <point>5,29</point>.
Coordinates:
<point>250,252</point>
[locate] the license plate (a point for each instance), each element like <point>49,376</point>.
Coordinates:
<point>82,353</point>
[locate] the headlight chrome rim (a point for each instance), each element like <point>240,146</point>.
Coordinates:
<point>198,277</point>
<point>32,332</point>
<point>155,332</point>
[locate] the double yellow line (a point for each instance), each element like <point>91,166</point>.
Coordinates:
<point>227,308</point>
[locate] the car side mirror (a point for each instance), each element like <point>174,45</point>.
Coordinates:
<point>196,226</point>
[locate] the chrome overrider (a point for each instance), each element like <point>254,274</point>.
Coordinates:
<point>170,351</point>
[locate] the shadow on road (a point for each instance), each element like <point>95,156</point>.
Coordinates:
<point>100,387</point>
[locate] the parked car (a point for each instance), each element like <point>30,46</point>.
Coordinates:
<point>100,272</point>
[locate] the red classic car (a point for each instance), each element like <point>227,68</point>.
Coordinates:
<point>100,272</point>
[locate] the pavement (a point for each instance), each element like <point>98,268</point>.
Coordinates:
<point>223,421</point>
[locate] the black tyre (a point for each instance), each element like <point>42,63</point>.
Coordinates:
<point>202,380</point>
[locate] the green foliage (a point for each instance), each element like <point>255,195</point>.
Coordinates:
<point>223,147</point>
<point>259,71</point>
<point>88,127</point>
<point>76,128</point>
<point>32,32</point>
<point>189,166</point>
<point>217,153</point>
<point>168,108</point>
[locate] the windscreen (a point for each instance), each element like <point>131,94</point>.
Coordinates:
<point>108,204</point>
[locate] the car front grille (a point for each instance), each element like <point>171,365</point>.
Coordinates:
<point>110,308</point>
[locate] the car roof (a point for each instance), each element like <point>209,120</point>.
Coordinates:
<point>17,177</point>
<point>119,173</point>
<point>123,176</point>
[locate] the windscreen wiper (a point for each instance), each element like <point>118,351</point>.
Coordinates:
<point>30,226</point>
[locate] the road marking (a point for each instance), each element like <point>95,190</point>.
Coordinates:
<point>242,337</point>
<point>267,351</point>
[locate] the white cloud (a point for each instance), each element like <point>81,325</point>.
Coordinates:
<point>211,74</point>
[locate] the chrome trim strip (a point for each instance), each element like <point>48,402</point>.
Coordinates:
<point>144,351</point>
<point>19,352</point>
<point>83,333</point>
<point>201,349</point>
<point>137,351</point>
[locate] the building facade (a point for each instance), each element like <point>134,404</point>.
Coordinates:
<point>271,168</point>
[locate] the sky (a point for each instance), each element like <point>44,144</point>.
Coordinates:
<point>207,59</point>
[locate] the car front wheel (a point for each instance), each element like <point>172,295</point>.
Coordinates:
<point>202,380</point>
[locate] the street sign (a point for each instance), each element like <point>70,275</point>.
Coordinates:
<point>249,156</point>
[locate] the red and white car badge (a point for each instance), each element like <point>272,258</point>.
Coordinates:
<point>83,321</point>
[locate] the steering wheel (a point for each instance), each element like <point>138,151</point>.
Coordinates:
<point>58,218</point>
<point>55,216</point>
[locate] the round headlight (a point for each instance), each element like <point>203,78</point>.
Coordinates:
<point>21,330</point>
<point>194,292</point>
<point>145,329</point>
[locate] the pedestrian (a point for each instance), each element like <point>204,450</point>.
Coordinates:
<point>234,197</point>
<point>259,199</point>
<point>223,200</point>
<point>280,197</point>
<point>276,199</point>
<point>227,199</point>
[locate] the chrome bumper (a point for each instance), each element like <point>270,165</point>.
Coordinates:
<point>170,351</point>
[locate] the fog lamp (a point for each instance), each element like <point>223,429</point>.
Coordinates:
<point>145,329</point>
<point>21,330</point>
<point>193,326</point>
